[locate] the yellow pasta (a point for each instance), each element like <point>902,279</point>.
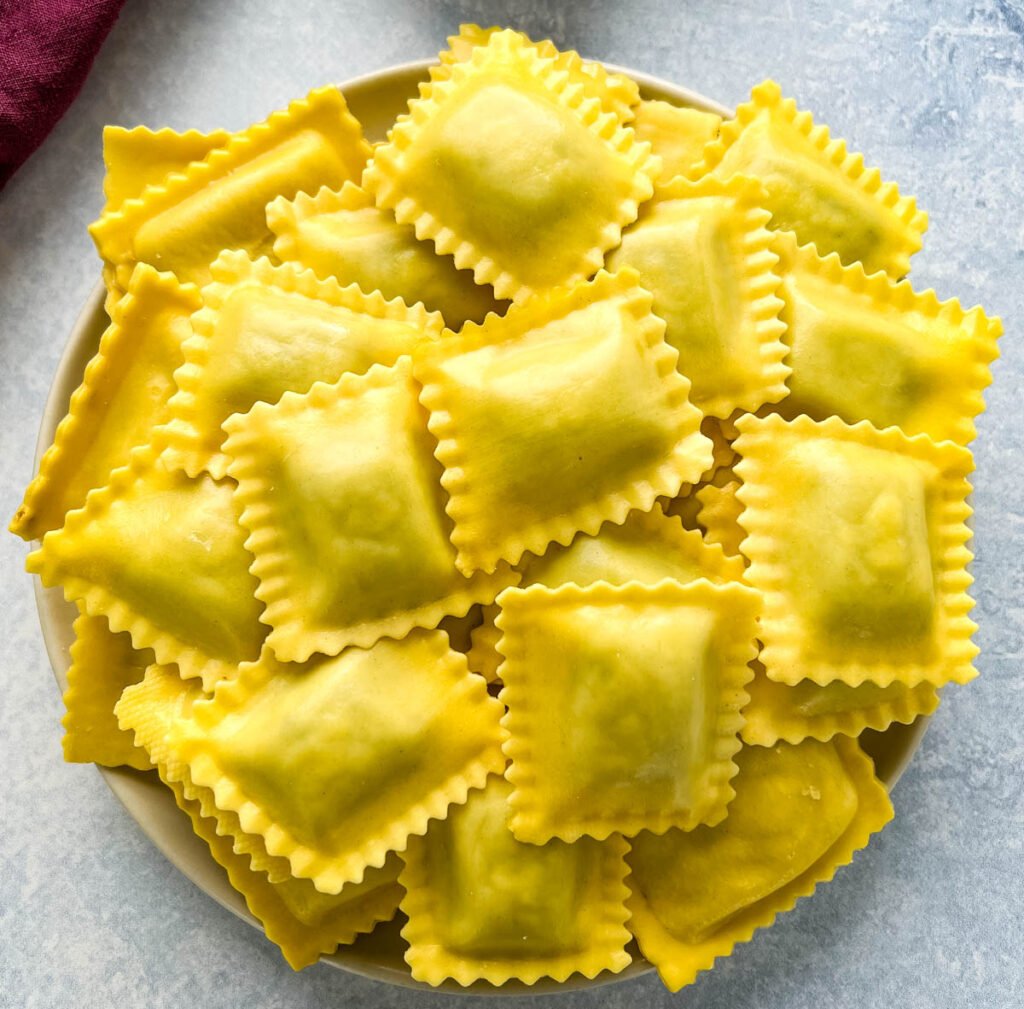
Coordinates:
<point>341,494</point>
<point>296,917</point>
<point>814,186</point>
<point>182,224</point>
<point>518,522</point>
<point>138,158</point>
<point>141,157</point>
<point>805,710</point>
<point>484,906</point>
<point>648,547</point>
<point>148,710</point>
<point>160,556</point>
<point>685,507</point>
<point>800,813</point>
<point>302,921</point>
<point>619,92</point>
<point>343,235</point>
<point>122,398</point>
<point>703,251</point>
<point>385,740</point>
<point>102,665</point>
<point>857,541</point>
<point>566,413</point>
<point>623,704</point>
<point>460,629</point>
<point>676,135</point>
<point>500,158</point>
<point>264,331</point>
<point>867,348</point>
<point>483,656</point>
<point>719,515</point>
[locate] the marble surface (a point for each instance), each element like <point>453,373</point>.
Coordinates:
<point>91,915</point>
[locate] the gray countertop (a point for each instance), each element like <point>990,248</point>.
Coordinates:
<point>91,915</point>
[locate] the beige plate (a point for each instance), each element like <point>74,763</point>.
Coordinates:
<point>376,100</point>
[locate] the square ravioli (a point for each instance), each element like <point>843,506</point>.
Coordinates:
<point>506,165</point>
<point>266,330</point>
<point>623,704</point>
<point>338,761</point>
<point>122,398</point>
<point>566,413</point>
<point>703,251</point>
<point>182,224</point>
<point>160,555</point>
<point>303,922</point>
<point>484,906</point>
<point>867,348</point>
<point>814,186</point>
<point>857,539</point>
<point>342,234</point>
<point>800,813</point>
<point>342,496</point>
<point>805,710</point>
<point>102,665</point>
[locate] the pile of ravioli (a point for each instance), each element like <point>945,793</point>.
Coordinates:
<point>517,522</point>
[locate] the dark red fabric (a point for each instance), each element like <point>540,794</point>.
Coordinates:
<point>46,50</point>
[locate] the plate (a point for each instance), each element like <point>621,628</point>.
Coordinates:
<point>375,99</point>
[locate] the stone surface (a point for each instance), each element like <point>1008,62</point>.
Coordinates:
<point>91,915</point>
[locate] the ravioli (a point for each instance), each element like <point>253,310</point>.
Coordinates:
<point>703,251</point>
<point>136,159</point>
<point>264,331</point>
<point>102,665</point>
<point>484,906</point>
<point>866,348</point>
<point>343,235</point>
<point>147,710</point>
<point>566,413</point>
<point>648,548</point>
<point>160,555</point>
<point>857,540</point>
<point>623,704</point>
<point>122,398</point>
<point>719,515</point>
<point>341,493</point>
<point>676,135</point>
<point>505,165</point>
<point>217,203</point>
<point>800,813</point>
<point>805,710</point>
<point>813,186</point>
<point>141,157</point>
<point>302,921</point>
<point>338,761</point>
<point>617,91</point>
<point>520,520</point>
<point>296,917</point>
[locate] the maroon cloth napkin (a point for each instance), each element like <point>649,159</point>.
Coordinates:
<point>46,50</point>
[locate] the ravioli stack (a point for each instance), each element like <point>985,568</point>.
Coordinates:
<point>517,522</point>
